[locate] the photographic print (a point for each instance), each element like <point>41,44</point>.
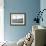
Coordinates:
<point>17,18</point>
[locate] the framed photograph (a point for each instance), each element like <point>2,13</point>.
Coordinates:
<point>17,18</point>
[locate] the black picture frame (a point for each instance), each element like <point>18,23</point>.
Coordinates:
<point>17,19</point>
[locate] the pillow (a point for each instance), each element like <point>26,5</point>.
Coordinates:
<point>28,39</point>
<point>20,42</point>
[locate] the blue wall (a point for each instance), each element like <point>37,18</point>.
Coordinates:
<point>30,7</point>
<point>43,6</point>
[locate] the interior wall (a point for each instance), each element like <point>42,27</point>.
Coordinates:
<point>30,7</point>
<point>43,6</point>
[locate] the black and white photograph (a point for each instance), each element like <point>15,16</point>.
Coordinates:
<point>17,18</point>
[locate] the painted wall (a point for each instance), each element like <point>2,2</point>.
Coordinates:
<point>43,6</point>
<point>30,7</point>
